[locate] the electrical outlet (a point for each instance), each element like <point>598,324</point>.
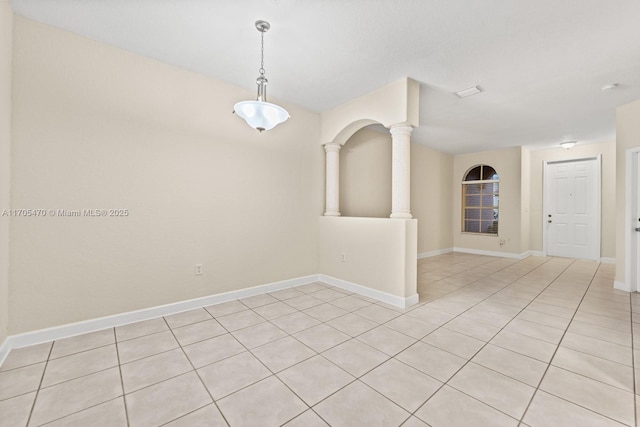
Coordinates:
<point>502,242</point>
<point>198,269</point>
<point>343,257</point>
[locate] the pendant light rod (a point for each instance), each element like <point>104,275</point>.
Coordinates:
<point>260,114</point>
<point>263,27</point>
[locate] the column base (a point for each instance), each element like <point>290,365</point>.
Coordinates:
<point>332,213</point>
<point>400,215</point>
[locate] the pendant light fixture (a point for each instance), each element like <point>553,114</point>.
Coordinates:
<point>260,114</point>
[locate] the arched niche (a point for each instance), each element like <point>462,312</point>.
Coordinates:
<point>365,173</point>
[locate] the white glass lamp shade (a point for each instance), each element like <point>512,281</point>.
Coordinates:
<point>261,115</point>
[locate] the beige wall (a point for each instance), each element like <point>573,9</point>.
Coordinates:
<point>525,199</point>
<point>608,212</point>
<point>395,103</point>
<point>431,197</point>
<point>97,127</point>
<point>627,136</point>
<point>365,175</point>
<point>507,163</point>
<point>6,30</point>
<point>379,253</point>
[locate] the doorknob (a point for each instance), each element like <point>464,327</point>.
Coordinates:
<point>549,221</point>
<point>637,228</point>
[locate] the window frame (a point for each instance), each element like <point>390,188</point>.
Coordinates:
<point>495,206</point>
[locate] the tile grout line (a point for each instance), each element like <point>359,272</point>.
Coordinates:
<point>35,398</point>
<point>273,374</point>
<point>487,342</point>
<point>252,354</point>
<point>197,374</point>
<point>320,354</point>
<point>554,355</point>
<point>469,284</point>
<point>84,376</point>
<point>443,383</point>
<point>481,301</point>
<point>124,400</point>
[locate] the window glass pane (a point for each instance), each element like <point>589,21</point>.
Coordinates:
<point>473,188</point>
<point>487,214</point>
<point>472,214</point>
<point>488,173</point>
<point>489,188</point>
<point>472,200</point>
<point>473,174</point>
<point>487,200</point>
<point>472,226</point>
<point>490,227</point>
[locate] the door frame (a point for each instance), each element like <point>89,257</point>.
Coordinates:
<point>545,202</point>
<point>632,156</point>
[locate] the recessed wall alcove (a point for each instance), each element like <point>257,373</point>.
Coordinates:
<point>365,173</point>
<point>367,212</point>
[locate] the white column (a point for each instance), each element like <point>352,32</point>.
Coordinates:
<point>332,201</point>
<point>400,171</point>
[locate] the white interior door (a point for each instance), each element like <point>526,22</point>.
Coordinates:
<point>572,208</point>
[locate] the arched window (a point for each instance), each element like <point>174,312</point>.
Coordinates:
<point>480,192</point>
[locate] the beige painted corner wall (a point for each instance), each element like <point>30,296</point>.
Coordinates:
<point>525,199</point>
<point>96,127</point>
<point>6,31</point>
<point>627,136</point>
<point>608,212</point>
<point>378,252</point>
<point>507,162</point>
<point>431,198</point>
<point>365,175</point>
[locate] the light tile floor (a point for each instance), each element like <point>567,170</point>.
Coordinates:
<point>536,342</point>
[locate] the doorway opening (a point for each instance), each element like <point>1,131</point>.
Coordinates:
<point>632,221</point>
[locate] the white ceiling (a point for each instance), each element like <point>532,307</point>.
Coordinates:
<point>541,63</point>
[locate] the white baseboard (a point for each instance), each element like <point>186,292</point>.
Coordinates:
<point>92,325</point>
<point>488,253</point>
<point>368,292</point>
<point>434,253</point>
<point>492,253</point>
<point>535,253</point>
<point>606,260</point>
<point>4,350</point>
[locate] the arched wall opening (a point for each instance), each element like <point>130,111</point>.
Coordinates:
<point>374,255</point>
<point>365,173</point>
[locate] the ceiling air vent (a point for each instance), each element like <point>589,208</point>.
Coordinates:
<point>468,91</point>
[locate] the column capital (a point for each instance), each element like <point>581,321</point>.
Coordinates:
<point>332,147</point>
<point>401,129</point>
